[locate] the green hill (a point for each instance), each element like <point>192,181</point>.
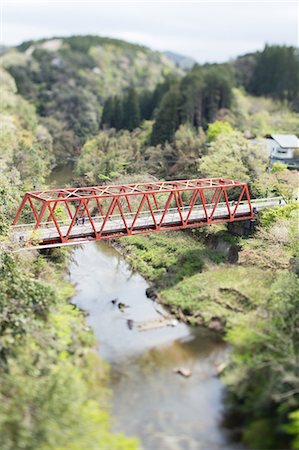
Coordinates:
<point>158,122</point>
<point>82,84</point>
<point>68,80</point>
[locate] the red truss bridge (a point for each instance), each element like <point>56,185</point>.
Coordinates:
<point>75,215</point>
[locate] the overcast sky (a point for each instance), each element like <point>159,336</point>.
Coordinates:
<point>207,31</point>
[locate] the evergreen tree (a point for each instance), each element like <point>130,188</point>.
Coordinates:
<point>167,117</point>
<point>276,73</point>
<point>118,113</point>
<point>131,110</point>
<point>108,112</point>
<point>145,105</point>
<point>191,89</point>
<point>217,91</point>
<point>159,93</point>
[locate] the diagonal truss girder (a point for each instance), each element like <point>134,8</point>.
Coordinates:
<point>110,211</point>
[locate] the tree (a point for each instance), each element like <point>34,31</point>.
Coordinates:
<point>191,89</point>
<point>9,198</point>
<point>244,67</point>
<point>109,155</point>
<point>65,142</point>
<point>146,104</point>
<point>167,117</point>
<point>282,183</point>
<point>48,397</point>
<point>217,92</point>
<point>216,128</point>
<point>118,114</point>
<point>276,73</point>
<point>76,106</point>
<point>152,104</point>
<point>278,167</point>
<point>25,147</point>
<point>263,376</point>
<point>108,112</point>
<point>131,111</point>
<point>188,146</point>
<point>232,156</point>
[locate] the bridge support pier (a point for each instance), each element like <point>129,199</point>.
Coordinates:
<point>242,228</point>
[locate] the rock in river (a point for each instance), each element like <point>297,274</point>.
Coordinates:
<point>151,293</point>
<point>184,371</point>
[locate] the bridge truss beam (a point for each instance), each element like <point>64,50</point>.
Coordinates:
<point>114,211</point>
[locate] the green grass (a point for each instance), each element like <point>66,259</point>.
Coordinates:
<point>165,258</point>
<point>193,279</point>
<point>223,292</point>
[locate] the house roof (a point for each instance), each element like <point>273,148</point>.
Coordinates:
<point>285,140</point>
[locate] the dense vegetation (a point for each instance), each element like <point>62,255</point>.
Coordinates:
<point>68,79</point>
<point>53,386</point>
<point>222,150</point>
<point>83,83</point>
<point>194,99</point>
<point>255,302</point>
<point>206,91</point>
<point>273,72</point>
<point>124,112</point>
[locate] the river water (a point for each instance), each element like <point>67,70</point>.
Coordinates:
<point>165,410</point>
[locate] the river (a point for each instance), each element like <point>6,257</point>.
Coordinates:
<point>164,409</point>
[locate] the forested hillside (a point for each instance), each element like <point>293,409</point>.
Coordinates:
<point>273,72</point>
<point>121,113</point>
<point>48,398</point>
<point>68,80</point>
<point>206,92</point>
<point>82,84</point>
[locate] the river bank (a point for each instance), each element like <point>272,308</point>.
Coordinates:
<point>150,400</point>
<point>202,283</point>
<point>193,278</point>
<point>54,386</point>
<point>249,302</point>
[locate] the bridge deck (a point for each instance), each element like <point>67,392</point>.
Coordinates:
<point>47,235</point>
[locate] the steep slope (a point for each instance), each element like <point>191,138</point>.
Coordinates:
<point>68,80</point>
<point>53,386</point>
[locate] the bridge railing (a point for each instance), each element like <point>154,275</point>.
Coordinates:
<point>258,201</point>
<point>144,207</point>
<point>128,215</point>
<point>269,200</point>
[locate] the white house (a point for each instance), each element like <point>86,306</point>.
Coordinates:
<point>282,147</point>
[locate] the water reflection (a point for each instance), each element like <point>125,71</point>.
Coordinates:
<point>101,275</point>
<point>165,410</point>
